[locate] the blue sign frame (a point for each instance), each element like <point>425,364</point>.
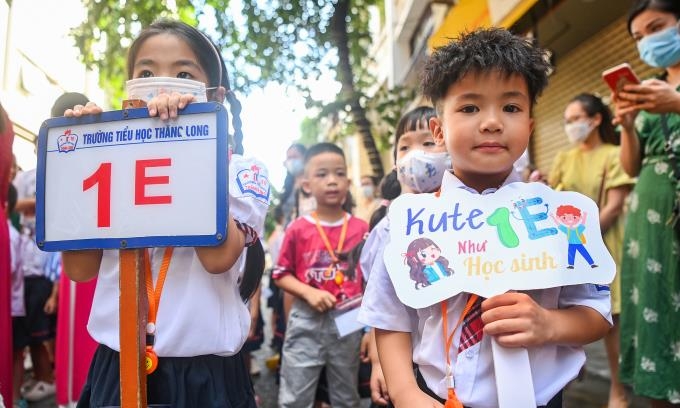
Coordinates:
<point>221,187</point>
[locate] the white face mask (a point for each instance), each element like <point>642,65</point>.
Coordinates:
<point>578,131</point>
<point>294,166</point>
<point>367,191</point>
<point>147,88</point>
<point>422,172</point>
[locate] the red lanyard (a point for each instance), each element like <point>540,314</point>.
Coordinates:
<point>154,297</point>
<point>339,277</point>
<point>452,400</point>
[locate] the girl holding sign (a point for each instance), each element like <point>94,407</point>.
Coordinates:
<point>202,320</point>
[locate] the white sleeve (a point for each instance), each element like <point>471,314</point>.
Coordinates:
<point>594,296</point>
<point>380,306</point>
<point>378,237</point>
<point>249,191</point>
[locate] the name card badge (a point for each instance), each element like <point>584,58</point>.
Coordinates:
<point>122,179</point>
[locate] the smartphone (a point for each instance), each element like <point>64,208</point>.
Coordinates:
<point>618,76</point>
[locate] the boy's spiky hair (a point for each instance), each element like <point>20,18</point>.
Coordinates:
<point>481,51</point>
<point>323,147</point>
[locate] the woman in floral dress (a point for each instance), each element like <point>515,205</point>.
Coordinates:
<point>649,115</point>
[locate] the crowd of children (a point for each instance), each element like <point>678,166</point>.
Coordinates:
<point>338,305</point>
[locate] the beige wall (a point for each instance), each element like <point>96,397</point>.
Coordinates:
<point>577,72</point>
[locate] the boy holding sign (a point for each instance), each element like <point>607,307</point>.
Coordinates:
<point>483,86</point>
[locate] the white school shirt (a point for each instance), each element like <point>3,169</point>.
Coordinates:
<point>199,313</point>
<point>25,183</point>
<point>552,366</point>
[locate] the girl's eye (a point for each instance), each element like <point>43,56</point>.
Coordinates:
<point>403,148</point>
<point>469,109</point>
<point>145,74</point>
<point>511,108</point>
<point>423,255</point>
<point>185,75</point>
<point>428,143</point>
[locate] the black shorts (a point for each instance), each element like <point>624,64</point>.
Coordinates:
<point>178,382</point>
<point>36,326</point>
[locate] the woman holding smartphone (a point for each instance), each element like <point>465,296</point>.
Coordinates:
<point>649,115</point>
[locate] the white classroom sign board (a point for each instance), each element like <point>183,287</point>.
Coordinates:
<point>121,179</point>
<point>488,245</point>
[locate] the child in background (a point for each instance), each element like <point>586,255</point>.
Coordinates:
<point>308,268</point>
<point>202,319</point>
<point>483,86</point>
<point>414,153</point>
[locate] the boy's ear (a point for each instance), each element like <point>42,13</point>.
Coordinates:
<point>436,130</point>
<point>305,186</point>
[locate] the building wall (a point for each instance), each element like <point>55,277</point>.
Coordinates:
<point>36,72</point>
<point>576,72</point>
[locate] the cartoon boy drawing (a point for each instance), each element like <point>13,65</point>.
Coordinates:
<point>427,265</point>
<point>570,221</point>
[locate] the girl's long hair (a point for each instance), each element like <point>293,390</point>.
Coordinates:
<point>210,59</point>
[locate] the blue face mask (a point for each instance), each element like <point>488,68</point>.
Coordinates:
<point>662,49</point>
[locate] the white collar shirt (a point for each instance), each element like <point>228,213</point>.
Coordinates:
<point>552,366</point>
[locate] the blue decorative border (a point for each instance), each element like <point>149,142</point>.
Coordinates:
<point>146,241</point>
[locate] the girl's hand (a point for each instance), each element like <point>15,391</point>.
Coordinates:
<point>166,105</point>
<point>90,108</point>
<point>654,95</point>
<point>378,385</point>
<point>516,320</point>
<point>319,299</point>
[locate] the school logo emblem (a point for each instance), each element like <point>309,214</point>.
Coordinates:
<point>67,142</point>
<point>251,182</point>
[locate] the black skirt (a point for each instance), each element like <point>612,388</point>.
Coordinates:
<point>179,382</point>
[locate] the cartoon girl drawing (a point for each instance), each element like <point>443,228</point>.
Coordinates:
<point>427,265</point>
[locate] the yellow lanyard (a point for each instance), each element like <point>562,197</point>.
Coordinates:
<point>154,297</point>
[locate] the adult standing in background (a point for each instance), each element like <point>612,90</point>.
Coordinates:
<point>369,199</point>
<point>6,141</point>
<point>592,167</point>
<point>649,115</point>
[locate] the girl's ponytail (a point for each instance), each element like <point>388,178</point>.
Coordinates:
<point>235,109</point>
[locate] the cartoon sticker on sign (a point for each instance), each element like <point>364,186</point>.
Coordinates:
<point>525,238</point>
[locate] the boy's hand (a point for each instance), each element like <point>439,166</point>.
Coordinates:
<point>516,320</point>
<point>319,299</point>
<point>90,108</point>
<point>166,105</point>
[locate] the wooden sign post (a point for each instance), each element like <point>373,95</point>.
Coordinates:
<point>122,180</point>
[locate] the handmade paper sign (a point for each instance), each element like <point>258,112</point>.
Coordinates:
<point>527,236</point>
<point>123,179</point>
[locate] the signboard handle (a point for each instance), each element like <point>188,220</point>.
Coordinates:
<point>514,383</point>
<point>133,317</point>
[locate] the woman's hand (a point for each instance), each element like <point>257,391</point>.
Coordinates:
<point>654,95</point>
<point>625,112</point>
<point>516,320</point>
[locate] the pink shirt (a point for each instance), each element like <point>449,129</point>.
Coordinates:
<point>304,255</point>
